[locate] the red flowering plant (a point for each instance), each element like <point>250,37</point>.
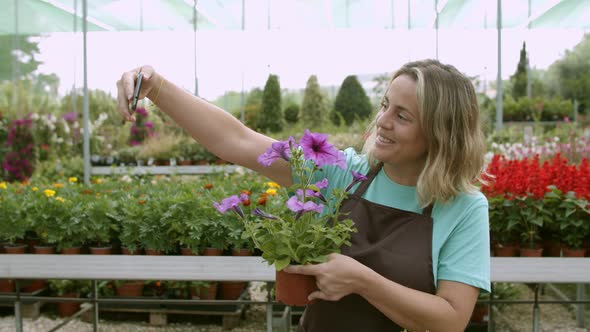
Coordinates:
<point>571,194</point>
<point>299,225</point>
<point>529,197</point>
<point>516,193</point>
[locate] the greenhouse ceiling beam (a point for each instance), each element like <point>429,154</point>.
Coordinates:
<point>71,11</point>
<point>202,11</point>
<point>547,7</point>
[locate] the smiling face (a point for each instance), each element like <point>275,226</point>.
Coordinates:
<point>400,142</point>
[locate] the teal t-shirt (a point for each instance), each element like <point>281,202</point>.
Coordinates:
<point>460,235</point>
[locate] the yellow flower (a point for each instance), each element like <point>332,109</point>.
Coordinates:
<point>3,185</point>
<point>34,189</point>
<point>271,192</point>
<point>273,184</point>
<point>49,192</point>
<point>58,185</point>
<point>73,179</point>
<point>59,199</point>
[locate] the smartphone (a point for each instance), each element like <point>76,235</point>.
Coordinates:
<point>136,92</point>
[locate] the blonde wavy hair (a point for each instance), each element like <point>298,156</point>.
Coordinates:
<point>449,115</point>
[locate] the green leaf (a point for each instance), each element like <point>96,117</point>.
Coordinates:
<point>282,263</point>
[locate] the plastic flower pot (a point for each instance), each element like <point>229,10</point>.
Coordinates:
<point>66,309</point>
<point>71,251</point>
<point>293,289</point>
<point>131,289</point>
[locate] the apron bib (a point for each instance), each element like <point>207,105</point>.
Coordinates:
<point>395,243</point>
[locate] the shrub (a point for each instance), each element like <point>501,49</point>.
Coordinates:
<point>351,102</point>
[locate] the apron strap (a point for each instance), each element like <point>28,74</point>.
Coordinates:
<point>360,191</point>
<point>427,211</point>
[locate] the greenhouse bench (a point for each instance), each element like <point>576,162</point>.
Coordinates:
<point>222,268</point>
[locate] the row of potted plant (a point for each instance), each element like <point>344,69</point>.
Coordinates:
<point>534,204</point>
<point>160,216</point>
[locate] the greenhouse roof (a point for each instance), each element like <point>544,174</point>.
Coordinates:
<point>46,16</point>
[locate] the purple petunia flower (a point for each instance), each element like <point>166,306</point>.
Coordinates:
<point>244,197</point>
<point>260,213</point>
<point>280,149</point>
<point>296,206</point>
<point>229,203</point>
<point>356,178</point>
<point>316,147</point>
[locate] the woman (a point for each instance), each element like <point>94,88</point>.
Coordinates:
<point>421,254</point>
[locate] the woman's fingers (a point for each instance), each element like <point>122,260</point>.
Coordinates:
<point>123,102</point>
<point>126,88</point>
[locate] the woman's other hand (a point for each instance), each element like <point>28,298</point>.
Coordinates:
<point>340,276</point>
<point>126,87</point>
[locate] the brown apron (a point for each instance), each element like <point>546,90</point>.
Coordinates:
<point>396,244</point>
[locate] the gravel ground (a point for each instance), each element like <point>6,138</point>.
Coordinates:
<point>512,318</point>
<point>552,318</point>
<point>254,321</point>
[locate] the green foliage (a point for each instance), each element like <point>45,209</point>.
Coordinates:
<point>13,213</point>
<point>571,75</point>
<point>503,230</point>
<point>253,108</point>
<point>292,113</point>
<point>572,216</point>
<point>271,115</point>
<point>519,79</point>
<point>100,220</point>
<point>381,85</point>
<point>351,102</point>
<point>63,287</point>
<point>314,107</point>
<point>27,63</point>
<point>536,109</point>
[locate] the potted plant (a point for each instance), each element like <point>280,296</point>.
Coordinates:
<point>50,219</point>
<point>129,215</point>
<point>185,221</point>
<point>574,222</point>
<point>530,213</point>
<point>128,155</point>
<point>285,229</point>
<point>161,148</point>
<point>69,289</point>
<point>101,224</point>
<point>154,232</point>
<point>72,229</point>
<point>13,222</point>
<point>503,230</point>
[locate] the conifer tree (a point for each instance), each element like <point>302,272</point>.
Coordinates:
<point>271,115</point>
<point>314,107</point>
<point>351,102</point>
<point>519,79</point>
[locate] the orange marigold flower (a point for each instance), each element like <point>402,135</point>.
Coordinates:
<point>262,200</point>
<point>86,192</point>
<point>58,185</point>
<point>158,284</point>
<point>208,186</point>
<point>246,191</point>
<point>141,201</point>
<point>246,203</point>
